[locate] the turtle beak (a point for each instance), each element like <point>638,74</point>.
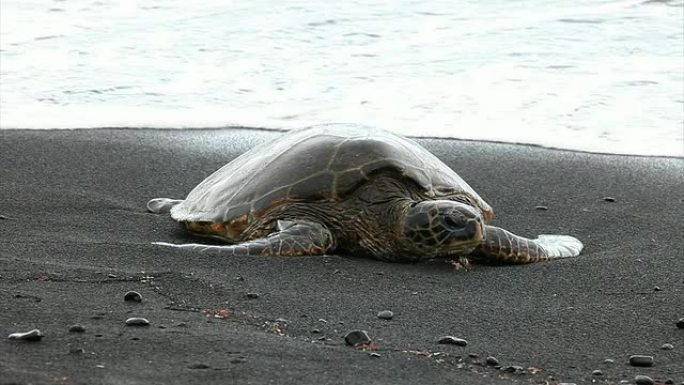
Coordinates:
<point>471,232</point>
<point>475,228</point>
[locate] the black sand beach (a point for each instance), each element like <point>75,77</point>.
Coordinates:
<point>75,236</point>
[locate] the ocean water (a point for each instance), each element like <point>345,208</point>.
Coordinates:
<point>602,76</point>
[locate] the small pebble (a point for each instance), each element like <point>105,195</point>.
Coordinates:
<point>657,288</point>
<point>639,360</point>
<point>282,321</point>
<point>680,323</point>
<point>609,199</point>
<point>357,337</point>
<point>514,369</point>
<point>137,321</point>
<point>316,331</point>
<point>76,351</point>
<point>2,217</point>
<point>473,355</point>
<point>77,329</point>
<point>597,373</point>
<point>374,355</point>
<point>643,380</point>
<point>132,296</point>
<point>542,208</point>
<point>252,295</point>
<point>31,335</point>
<point>386,314</point>
<point>667,347</point>
<point>492,361</point>
<point>198,366</point>
<point>111,276</point>
<point>135,338</point>
<point>669,381</point>
<point>452,341</point>
<point>609,361</point>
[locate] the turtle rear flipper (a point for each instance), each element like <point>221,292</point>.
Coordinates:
<point>293,239</point>
<point>162,205</point>
<point>501,246</point>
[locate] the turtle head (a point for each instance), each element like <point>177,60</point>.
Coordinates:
<point>442,228</point>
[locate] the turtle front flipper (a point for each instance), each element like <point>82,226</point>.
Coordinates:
<point>501,246</point>
<point>161,205</point>
<point>291,239</point>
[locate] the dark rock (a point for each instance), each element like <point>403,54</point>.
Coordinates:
<point>2,217</point>
<point>667,347</point>
<point>132,296</point>
<point>450,340</point>
<point>609,199</point>
<point>640,360</point>
<point>473,355</point>
<point>492,361</point>
<point>680,323</point>
<point>386,314</point>
<point>597,373</point>
<point>315,331</point>
<point>252,295</point>
<point>135,338</point>
<point>643,380</point>
<point>357,337</point>
<point>137,321</point>
<point>76,351</point>
<point>514,369</point>
<point>657,288</point>
<point>31,335</point>
<point>198,366</point>
<point>77,329</point>
<point>669,381</point>
<point>111,276</point>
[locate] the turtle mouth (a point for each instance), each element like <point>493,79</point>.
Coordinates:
<point>467,238</point>
<point>472,231</point>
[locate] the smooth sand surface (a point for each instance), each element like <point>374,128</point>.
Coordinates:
<point>75,236</point>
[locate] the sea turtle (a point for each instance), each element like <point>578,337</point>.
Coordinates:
<point>353,190</point>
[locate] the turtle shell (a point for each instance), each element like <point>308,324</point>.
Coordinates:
<point>320,163</point>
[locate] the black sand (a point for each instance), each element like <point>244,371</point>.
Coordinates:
<point>73,212</point>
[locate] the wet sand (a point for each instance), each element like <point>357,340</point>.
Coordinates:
<point>75,236</point>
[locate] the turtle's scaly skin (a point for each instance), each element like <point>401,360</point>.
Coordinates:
<point>349,189</point>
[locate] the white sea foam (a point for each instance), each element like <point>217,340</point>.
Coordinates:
<point>599,76</point>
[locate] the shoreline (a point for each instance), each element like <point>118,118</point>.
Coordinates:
<point>280,130</point>
<point>75,236</point>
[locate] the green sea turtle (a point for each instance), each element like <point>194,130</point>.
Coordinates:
<point>352,190</point>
